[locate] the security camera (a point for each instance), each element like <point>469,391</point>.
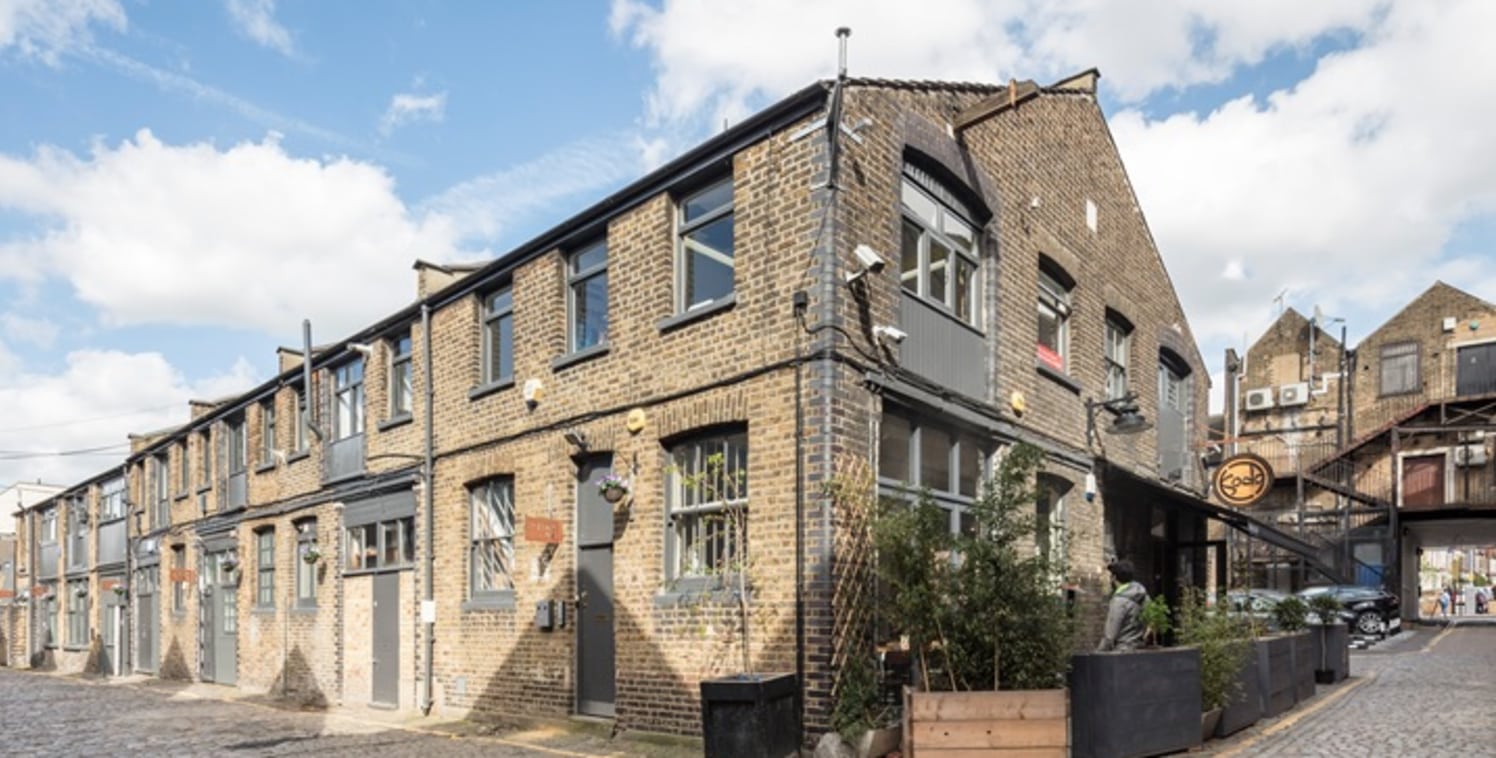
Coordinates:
<point>890,334</point>
<point>869,262</point>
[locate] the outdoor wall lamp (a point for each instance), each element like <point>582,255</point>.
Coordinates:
<point>1128,420</point>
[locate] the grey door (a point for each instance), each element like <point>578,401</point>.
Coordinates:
<point>220,623</point>
<point>386,644</point>
<point>595,643</point>
<point>147,617</point>
<point>1476,373</point>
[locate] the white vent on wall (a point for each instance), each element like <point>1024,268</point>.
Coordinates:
<point>1260,399</point>
<point>1470,455</point>
<point>1293,394</point>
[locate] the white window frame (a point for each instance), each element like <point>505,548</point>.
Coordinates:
<point>932,213</point>
<point>687,246</point>
<point>112,499</point>
<point>1118,348</point>
<point>498,309</point>
<point>491,555</point>
<point>701,542</point>
<point>348,400</point>
<point>1055,304</point>
<point>578,278</point>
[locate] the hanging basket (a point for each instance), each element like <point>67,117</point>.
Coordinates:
<point>615,494</point>
<point>119,590</point>
<point>311,555</point>
<point>613,488</point>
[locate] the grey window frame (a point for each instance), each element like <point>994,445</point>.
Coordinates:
<point>949,496</point>
<point>1414,350</point>
<point>178,585</point>
<point>301,431</point>
<point>184,475</point>
<point>77,532</point>
<point>205,458</point>
<point>690,537</point>
<point>76,609</point>
<point>306,573</point>
<point>919,190</point>
<point>160,490</point>
<point>267,432</point>
<point>401,385</point>
<point>236,444</point>
<point>577,279</point>
<point>404,551</point>
<point>493,547</point>
<point>686,246</point>
<point>265,568</point>
<point>1055,302</point>
<point>112,499</point>
<point>48,613</point>
<point>1117,350</point>
<point>348,399</point>
<point>46,532</point>
<point>494,349</point>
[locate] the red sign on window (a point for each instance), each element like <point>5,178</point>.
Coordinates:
<point>183,575</point>
<point>1050,359</point>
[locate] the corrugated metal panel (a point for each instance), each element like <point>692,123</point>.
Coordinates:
<point>942,350</point>
<point>392,505</point>
<point>238,490</point>
<point>112,542</point>
<point>47,559</point>
<point>345,457</point>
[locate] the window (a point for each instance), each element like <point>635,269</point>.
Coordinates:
<point>704,254</point>
<point>706,497</point>
<point>498,337</point>
<point>48,531</point>
<point>267,432</point>
<point>178,578</point>
<point>915,454</point>
<point>1054,318</point>
<point>112,499</point>
<point>183,479</point>
<point>348,400</point>
<point>938,251</point>
<point>1049,523</point>
<point>299,432</point>
<point>205,458</point>
<point>77,532</point>
<point>77,611</point>
<point>306,570</point>
<point>491,554</point>
<point>161,491</point>
<point>381,545</point>
<point>1118,349</point>
<point>265,568</point>
<point>400,375</point>
<point>1399,368</point>
<point>47,607</point>
<point>587,297</point>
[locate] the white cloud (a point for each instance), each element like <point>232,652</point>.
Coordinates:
<point>37,331</point>
<point>255,19</point>
<point>406,108</point>
<point>45,29</point>
<point>246,236</point>
<point>99,398</point>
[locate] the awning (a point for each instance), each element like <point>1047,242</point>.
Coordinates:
<point>1118,482</point>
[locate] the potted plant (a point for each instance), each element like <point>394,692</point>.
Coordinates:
<point>860,717</point>
<point>1156,621</point>
<point>613,487</point>
<point>120,590</point>
<point>988,630</point>
<point>1223,650</point>
<point>1331,638</point>
<point>311,553</point>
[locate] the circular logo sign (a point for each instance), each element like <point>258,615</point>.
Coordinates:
<point>1243,479</point>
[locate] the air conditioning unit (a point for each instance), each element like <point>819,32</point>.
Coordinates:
<point>1260,399</point>
<point>1470,455</point>
<point>1293,394</point>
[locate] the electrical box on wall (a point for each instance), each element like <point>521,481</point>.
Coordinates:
<point>544,616</point>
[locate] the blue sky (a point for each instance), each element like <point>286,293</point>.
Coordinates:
<point>182,182</point>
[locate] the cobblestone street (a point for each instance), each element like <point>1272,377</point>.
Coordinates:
<point>59,716</point>
<point>1433,694</point>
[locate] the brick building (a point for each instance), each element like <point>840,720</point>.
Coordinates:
<point>956,268</point>
<point>1377,450</point>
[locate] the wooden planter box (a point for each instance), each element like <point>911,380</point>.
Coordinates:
<point>750,717</point>
<point>1275,674</point>
<point>1245,706</point>
<point>1304,663</point>
<point>1134,704</point>
<point>1332,653</point>
<point>1018,722</point>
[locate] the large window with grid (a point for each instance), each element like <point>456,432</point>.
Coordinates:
<point>705,257</point>
<point>380,545</point>
<point>498,337</point>
<point>921,455</point>
<point>491,538</point>
<point>348,400</point>
<point>938,249</point>
<point>265,568</point>
<point>706,497</point>
<point>401,375</point>
<point>77,613</point>
<point>1399,364</point>
<point>1118,344</point>
<point>587,297</point>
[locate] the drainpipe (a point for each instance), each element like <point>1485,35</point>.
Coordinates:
<point>429,490</point>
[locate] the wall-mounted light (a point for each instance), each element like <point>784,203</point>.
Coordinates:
<point>1128,421</point>
<point>576,438</point>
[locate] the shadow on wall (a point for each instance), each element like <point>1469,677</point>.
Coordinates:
<point>174,664</point>
<point>94,664</point>
<point>297,683</point>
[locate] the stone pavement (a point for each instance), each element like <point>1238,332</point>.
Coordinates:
<point>63,716</point>
<point>1429,692</point>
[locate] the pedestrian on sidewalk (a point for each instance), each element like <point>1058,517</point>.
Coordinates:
<point>1444,602</point>
<point>1124,614</point>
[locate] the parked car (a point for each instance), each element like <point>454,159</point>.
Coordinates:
<point>1371,610</point>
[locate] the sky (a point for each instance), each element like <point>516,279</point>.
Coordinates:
<point>181,183</point>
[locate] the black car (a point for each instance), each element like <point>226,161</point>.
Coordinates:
<point>1372,611</point>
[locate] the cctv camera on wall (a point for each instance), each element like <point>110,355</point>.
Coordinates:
<point>868,262</point>
<point>886,333</point>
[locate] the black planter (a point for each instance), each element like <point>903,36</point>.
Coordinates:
<point>1134,704</point>
<point>1332,653</point>
<point>1275,674</point>
<point>1245,706</point>
<point>755,716</point>
<point>1304,663</point>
